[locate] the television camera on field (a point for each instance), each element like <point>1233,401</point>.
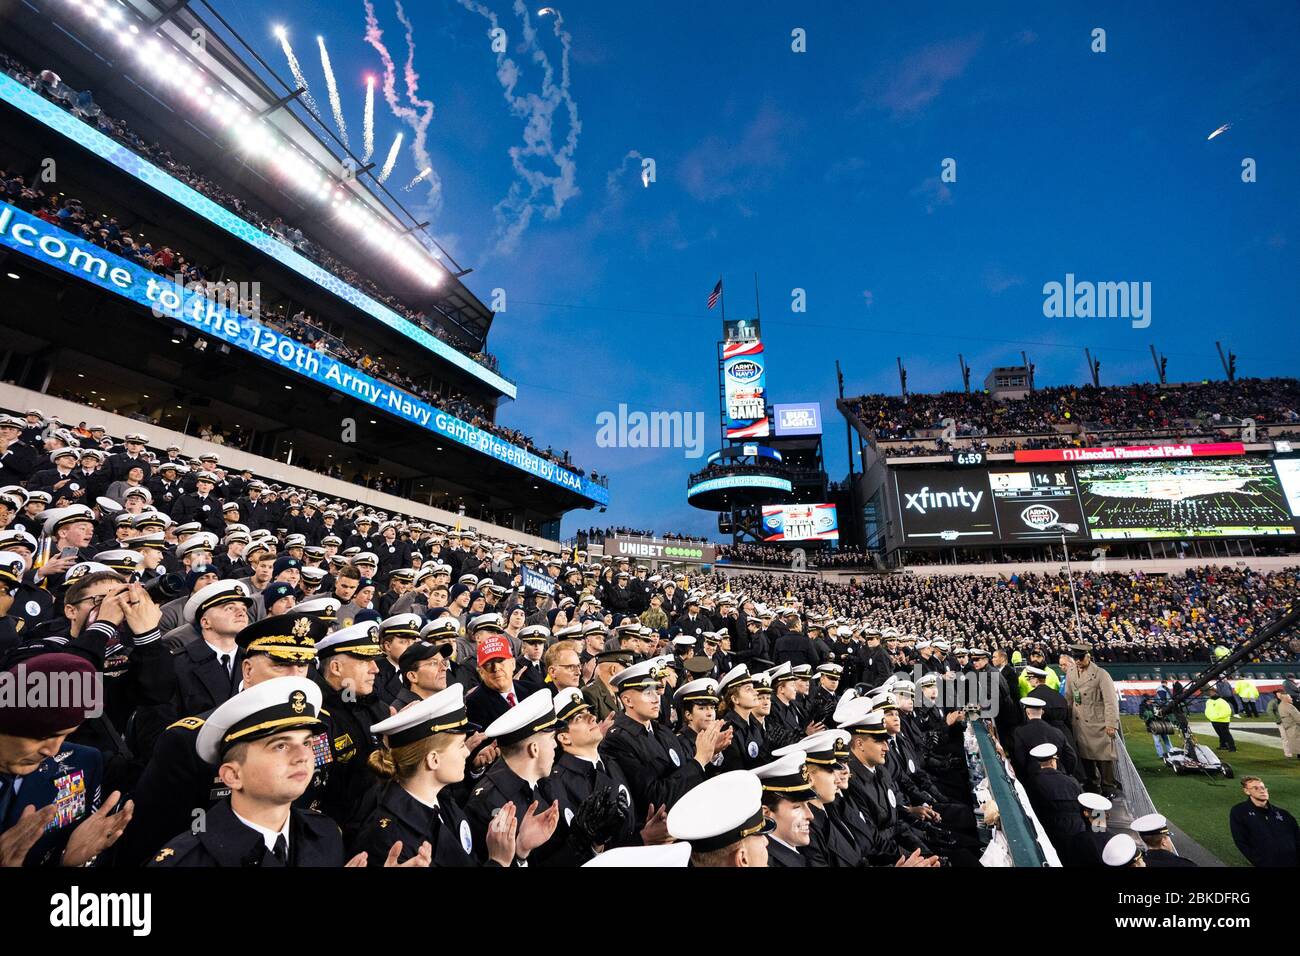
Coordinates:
<point>1168,718</point>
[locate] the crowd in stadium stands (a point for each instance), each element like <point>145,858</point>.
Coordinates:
<point>782,557</point>
<point>1143,407</point>
<point>844,557</point>
<point>82,104</point>
<point>1125,616</point>
<point>598,535</point>
<point>195,593</point>
<point>350,471</point>
<point>70,215</point>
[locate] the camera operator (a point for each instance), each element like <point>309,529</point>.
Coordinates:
<point>112,624</point>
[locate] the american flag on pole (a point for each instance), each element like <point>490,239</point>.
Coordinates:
<point>715,294</point>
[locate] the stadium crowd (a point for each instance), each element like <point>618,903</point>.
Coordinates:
<point>81,103</point>
<point>1139,408</point>
<point>598,535</point>
<point>319,684</point>
<point>71,215</point>
<point>772,556</point>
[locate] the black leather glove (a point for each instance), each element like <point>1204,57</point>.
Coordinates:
<point>600,817</point>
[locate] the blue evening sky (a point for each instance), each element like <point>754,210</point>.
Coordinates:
<point>821,171</point>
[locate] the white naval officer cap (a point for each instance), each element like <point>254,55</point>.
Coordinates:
<point>720,811</point>
<point>666,855</point>
<point>268,708</point>
<point>1120,850</point>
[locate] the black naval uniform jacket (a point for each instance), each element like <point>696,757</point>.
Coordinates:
<point>780,855</point>
<point>687,739</point>
<point>399,816</point>
<point>176,782</point>
<point>348,790</point>
<point>821,705</point>
<point>1028,736</point>
<point>17,462</point>
<point>574,779</point>
<point>748,747</point>
<point>831,842</point>
<point>787,717</point>
<point>866,839</point>
<point>388,682</point>
<point>1055,796</point>
<point>657,768</point>
<point>206,511</point>
<point>1163,858</point>
<point>314,840</point>
<point>874,666</point>
<point>877,797</point>
<point>501,785</point>
<point>202,684</point>
<point>530,676</point>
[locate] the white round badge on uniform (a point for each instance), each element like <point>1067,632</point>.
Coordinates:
<point>753,749</point>
<point>33,607</point>
<point>465,839</point>
<point>677,761</point>
<point>911,765</point>
<point>74,487</point>
<point>893,801</point>
<point>207,507</point>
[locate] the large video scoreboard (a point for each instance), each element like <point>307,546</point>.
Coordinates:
<point>1140,499</point>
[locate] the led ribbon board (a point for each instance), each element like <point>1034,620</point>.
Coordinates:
<point>64,123</point>
<point>53,247</point>
<point>739,481</point>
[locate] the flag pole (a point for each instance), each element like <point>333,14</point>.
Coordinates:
<point>722,391</point>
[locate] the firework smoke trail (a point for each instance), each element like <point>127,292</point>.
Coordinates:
<point>526,195</point>
<point>566,44</point>
<point>368,125</point>
<point>332,88</point>
<point>420,122</point>
<point>391,161</point>
<point>296,69</point>
<point>407,114</point>
<point>424,174</point>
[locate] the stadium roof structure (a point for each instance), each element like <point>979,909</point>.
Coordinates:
<point>249,102</point>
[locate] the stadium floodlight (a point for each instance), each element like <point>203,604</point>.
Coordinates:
<point>254,137</point>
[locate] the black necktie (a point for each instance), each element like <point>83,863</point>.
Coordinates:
<point>6,795</point>
<point>281,850</point>
<point>600,766</point>
<point>225,663</point>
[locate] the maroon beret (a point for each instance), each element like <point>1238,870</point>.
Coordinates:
<point>48,694</point>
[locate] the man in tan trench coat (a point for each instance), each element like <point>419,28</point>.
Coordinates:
<point>1289,718</point>
<point>1094,710</point>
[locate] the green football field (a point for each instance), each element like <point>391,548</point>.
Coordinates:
<point>1198,804</point>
